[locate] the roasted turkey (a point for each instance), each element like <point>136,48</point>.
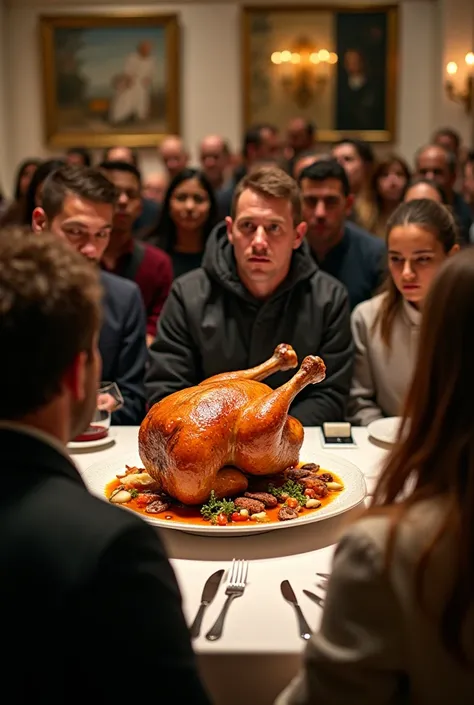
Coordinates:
<point>210,437</point>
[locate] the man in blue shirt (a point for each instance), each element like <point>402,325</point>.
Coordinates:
<point>350,254</point>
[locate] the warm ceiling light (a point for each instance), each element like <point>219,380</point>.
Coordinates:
<point>276,57</point>
<point>286,55</point>
<point>469,58</point>
<point>452,68</point>
<point>295,58</point>
<point>332,58</point>
<point>323,55</point>
<point>314,57</point>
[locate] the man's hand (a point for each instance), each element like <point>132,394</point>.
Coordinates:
<point>106,402</point>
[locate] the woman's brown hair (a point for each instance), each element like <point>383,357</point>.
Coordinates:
<point>434,456</point>
<point>431,216</point>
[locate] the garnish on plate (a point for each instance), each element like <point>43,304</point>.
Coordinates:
<point>289,489</point>
<point>217,511</point>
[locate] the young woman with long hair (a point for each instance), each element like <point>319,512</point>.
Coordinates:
<point>389,182</point>
<point>420,236</point>
<point>358,159</point>
<point>398,625</point>
<point>188,215</point>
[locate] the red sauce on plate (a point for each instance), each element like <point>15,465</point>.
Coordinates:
<point>93,433</point>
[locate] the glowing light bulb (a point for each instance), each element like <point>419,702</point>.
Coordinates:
<point>314,57</point>
<point>295,58</point>
<point>452,68</point>
<point>286,55</point>
<point>332,58</point>
<point>323,55</point>
<point>276,57</point>
<point>469,58</point>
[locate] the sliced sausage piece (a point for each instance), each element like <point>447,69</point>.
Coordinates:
<point>268,499</point>
<point>296,474</point>
<point>252,505</point>
<point>310,466</point>
<point>326,477</point>
<point>287,513</point>
<point>157,507</point>
<point>314,483</point>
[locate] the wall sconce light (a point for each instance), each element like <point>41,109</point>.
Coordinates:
<point>303,70</point>
<point>464,96</point>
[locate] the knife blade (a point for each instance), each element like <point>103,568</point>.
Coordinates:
<point>289,595</point>
<point>312,596</point>
<point>209,592</point>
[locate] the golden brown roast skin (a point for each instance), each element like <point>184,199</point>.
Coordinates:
<point>205,438</point>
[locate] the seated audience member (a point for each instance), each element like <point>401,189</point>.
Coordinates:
<point>419,187</point>
<point>146,222</point>
<point>358,159</point>
<point>78,205</point>
<point>468,187</point>
<point>14,213</point>
<point>174,155</point>
<point>78,156</point>
<point>33,197</point>
<point>261,144</point>
<point>257,287</point>
<point>340,247</point>
<point>434,162</point>
<point>154,186</point>
<point>214,155</point>
<point>421,235</point>
<point>451,141</point>
<point>306,158</point>
<point>300,138</point>
<point>188,215</point>
<point>69,561</point>
<point>144,264</point>
<point>390,180</point>
<point>398,621</point>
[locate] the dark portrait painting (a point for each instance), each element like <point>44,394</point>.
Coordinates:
<point>361,41</point>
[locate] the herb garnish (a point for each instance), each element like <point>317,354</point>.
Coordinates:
<point>290,488</point>
<point>214,507</point>
<point>134,493</point>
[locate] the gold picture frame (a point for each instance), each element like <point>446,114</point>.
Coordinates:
<point>367,38</point>
<point>110,79</point>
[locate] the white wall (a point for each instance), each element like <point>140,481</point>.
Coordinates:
<point>211,79</point>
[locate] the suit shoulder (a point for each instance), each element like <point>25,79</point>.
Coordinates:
<point>365,240</point>
<point>116,286</point>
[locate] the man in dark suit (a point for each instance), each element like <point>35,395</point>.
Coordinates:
<point>78,205</point>
<point>91,606</point>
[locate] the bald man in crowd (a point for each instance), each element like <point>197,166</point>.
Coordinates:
<point>436,163</point>
<point>174,155</point>
<point>214,155</point>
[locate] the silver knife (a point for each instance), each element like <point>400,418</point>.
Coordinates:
<point>208,594</point>
<point>312,596</point>
<point>289,595</point>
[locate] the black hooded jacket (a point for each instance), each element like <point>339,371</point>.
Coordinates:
<point>212,324</point>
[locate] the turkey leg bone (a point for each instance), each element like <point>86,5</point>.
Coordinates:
<point>283,358</point>
<point>268,440</point>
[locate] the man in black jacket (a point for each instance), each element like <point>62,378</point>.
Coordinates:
<point>91,606</point>
<point>78,205</point>
<point>258,287</point>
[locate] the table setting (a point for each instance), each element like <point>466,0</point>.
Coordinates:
<point>273,580</point>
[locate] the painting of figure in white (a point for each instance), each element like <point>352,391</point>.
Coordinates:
<point>105,78</point>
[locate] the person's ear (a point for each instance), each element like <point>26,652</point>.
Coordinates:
<point>453,250</point>
<point>39,221</point>
<point>229,225</point>
<point>349,204</point>
<point>75,379</point>
<point>300,232</point>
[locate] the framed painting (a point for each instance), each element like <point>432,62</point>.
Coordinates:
<point>110,79</point>
<point>335,66</point>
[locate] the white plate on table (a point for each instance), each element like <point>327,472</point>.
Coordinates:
<point>88,446</point>
<point>98,475</point>
<point>385,430</point>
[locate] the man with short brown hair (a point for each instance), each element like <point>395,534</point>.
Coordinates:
<point>258,287</point>
<point>70,563</point>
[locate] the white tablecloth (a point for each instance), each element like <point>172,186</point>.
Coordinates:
<point>260,649</point>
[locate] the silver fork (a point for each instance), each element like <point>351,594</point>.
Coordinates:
<point>235,588</point>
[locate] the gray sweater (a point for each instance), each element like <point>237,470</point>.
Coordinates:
<point>377,645</point>
<point>381,375</point>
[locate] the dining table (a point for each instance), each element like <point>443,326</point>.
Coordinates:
<point>260,649</point>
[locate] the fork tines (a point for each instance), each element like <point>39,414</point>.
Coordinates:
<point>238,573</point>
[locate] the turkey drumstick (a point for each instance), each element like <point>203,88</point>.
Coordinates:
<point>283,358</point>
